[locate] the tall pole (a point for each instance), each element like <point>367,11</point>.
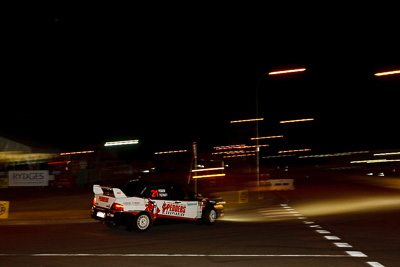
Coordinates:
<point>195,164</point>
<point>257,140</point>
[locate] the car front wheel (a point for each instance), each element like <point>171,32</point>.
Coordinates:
<point>209,216</point>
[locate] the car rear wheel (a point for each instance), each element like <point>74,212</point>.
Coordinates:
<point>209,216</point>
<point>142,222</point>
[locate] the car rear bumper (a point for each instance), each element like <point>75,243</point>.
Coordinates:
<point>111,217</point>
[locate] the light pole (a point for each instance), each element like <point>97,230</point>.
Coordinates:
<point>257,118</point>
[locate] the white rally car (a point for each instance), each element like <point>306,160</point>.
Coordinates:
<point>137,204</point>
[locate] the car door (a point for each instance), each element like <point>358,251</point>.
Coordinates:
<point>174,202</point>
<point>180,205</point>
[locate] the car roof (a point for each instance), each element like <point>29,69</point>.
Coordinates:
<point>138,187</point>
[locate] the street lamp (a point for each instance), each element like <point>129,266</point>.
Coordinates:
<point>257,138</point>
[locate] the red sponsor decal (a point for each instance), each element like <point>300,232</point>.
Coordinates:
<point>104,199</point>
<point>172,209</point>
<point>151,207</point>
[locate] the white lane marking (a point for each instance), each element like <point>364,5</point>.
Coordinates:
<point>375,264</point>
<point>356,254</point>
<point>331,237</point>
<point>322,232</point>
<point>176,255</point>
<point>342,245</point>
<point>315,226</point>
<point>308,222</point>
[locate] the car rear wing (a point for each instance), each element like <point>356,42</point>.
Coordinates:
<point>99,190</point>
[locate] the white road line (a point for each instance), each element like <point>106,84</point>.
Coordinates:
<point>182,255</point>
<point>356,254</point>
<point>322,232</point>
<point>375,264</point>
<point>331,237</point>
<point>342,245</point>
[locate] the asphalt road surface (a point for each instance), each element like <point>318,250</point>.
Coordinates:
<point>323,225</point>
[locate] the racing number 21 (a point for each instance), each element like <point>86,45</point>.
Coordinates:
<point>154,193</point>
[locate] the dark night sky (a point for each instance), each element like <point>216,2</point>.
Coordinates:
<point>169,76</point>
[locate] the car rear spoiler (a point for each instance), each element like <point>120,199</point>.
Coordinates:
<point>98,190</point>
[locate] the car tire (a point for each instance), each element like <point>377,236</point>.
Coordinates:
<point>142,222</point>
<point>209,216</point>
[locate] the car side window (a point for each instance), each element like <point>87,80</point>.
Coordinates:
<point>178,193</point>
<point>158,192</point>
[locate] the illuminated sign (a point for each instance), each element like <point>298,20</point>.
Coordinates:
<point>28,178</point>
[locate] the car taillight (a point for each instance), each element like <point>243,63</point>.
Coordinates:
<point>94,201</point>
<point>117,206</point>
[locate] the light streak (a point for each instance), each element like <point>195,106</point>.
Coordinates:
<point>240,155</point>
<point>230,147</point>
<point>387,73</point>
<point>294,150</point>
<point>170,152</point>
<point>249,120</point>
<point>208,169</point>
<point>78,152</point>
<point>387,154</point>
<point>375,161</point>
<point>286,71</point>
<point>300,120</point>
<point>267,137</point>
<point>208,176</point>
<point>120,143</point>
<point>232,152</point>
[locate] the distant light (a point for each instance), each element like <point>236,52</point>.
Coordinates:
<point>78,152</point>
<point>286,71</point>
<point>170,152</point>
<point>267,137</point>
<point>300,120</point>
<point>259,119</point>
<point>294,150</point>
<point>387,73</point>
<point>208,176</point>
<point>121,143</point>
<point>208,169</point>
<point>387,154</point>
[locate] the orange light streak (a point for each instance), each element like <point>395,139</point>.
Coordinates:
<point>286,71</point>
